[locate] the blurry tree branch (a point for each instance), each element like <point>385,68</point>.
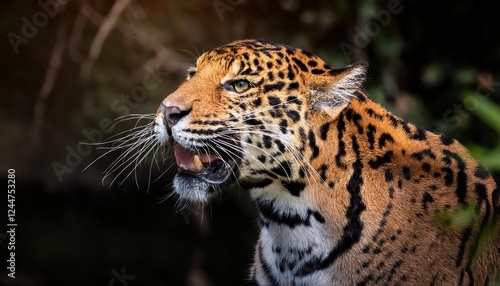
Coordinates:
<point>95,49</point>
<point>76,37</point>
<point>48,84</point>
<point>104,30</point>
<point>145,35</point>
<point>91,14</point>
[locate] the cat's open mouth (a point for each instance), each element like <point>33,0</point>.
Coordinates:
<point>200,165</point>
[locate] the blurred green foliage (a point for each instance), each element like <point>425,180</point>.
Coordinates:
<point>489,113</point>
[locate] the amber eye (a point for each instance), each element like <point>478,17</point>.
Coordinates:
<point>241,86</point>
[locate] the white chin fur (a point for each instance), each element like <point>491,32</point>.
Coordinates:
<point>191,189</point>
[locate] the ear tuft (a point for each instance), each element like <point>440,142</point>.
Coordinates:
<point>340,86</point>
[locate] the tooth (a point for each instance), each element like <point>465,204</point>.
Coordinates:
<point>182,166</point>
<point>197,163</point>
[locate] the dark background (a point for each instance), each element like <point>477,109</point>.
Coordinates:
<point>436,63</point>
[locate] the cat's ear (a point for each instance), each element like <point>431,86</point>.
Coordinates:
<point>338,87</point>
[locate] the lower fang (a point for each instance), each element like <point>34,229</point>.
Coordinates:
<point>198,165</point>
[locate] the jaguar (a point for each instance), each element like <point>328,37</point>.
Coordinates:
<point>347,193</point>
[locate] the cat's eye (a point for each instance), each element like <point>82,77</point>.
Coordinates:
<point>241,85</point>
<point>191,72</point>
